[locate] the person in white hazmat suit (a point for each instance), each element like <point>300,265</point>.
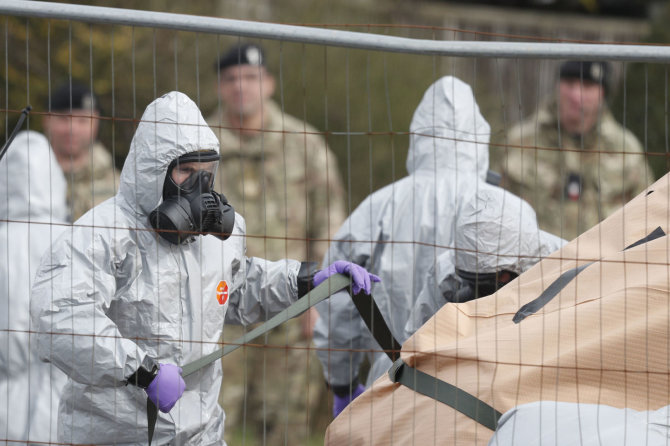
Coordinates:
<point>33,212</point>
<point>137,288</point>
<point>399,231</point>
<point>497,238</point>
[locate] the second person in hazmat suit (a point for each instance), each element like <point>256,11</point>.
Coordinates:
<point>497,239</point>
<point>33,212</point>
<point>137,288</point>
<point>399,231</point>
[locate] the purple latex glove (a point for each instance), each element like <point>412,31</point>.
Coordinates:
<point>361,279</point>
<point>167,387</point>
<point>341,402</point>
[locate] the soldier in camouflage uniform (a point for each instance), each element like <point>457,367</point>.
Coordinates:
<point>72,129</point>
<point>571,160</point>
<point>280,174</point>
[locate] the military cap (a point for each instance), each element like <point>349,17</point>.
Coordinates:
<point>79,96</point>
<point>243,54</point>
<point>598,72</point>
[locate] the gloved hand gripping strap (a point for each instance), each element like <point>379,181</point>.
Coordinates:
<point>330,286</point>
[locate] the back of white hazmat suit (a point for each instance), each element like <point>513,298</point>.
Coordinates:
<point>115,292</point>
<point>399,231</point>
<point>495,231</point>
<point>550,423</point>
<point>32,214</point>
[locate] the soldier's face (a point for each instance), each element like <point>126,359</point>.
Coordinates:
<point>244,89</point>
<point>580,102</point>
<point>71,134</point>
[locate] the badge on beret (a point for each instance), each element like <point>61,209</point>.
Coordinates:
<point>87,102</point>
<point>254,56</point>
<point>596,72</point>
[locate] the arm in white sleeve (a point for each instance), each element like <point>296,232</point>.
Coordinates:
<point>425,306</point>
<point>340,339</point>
<point>340,335</point>
<point>263,288</point>
<point>269,288</point>
<point>74,287</point>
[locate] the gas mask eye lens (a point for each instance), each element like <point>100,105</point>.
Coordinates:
<point>181,173</point>
<point>186,176</point>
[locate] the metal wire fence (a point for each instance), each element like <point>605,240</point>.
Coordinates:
<point>340,121</point>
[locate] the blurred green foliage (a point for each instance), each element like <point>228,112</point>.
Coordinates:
<point>643,101</point>
<point>362,100</point>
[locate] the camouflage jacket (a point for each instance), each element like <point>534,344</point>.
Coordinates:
<point>93,183</point>
<point>573,182</point>
<point>284,180</point>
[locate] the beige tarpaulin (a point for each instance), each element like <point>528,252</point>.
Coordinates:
<point>604,338</point>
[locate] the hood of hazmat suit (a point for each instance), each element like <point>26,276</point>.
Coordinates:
<point>495,231</point>
<point>448,133</point>
<point>115,291</point>
<point>399,231</point>
<point>32,215</point>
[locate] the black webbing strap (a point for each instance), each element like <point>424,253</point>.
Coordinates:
<point>334,283</point>
<point>557,285</point>
<point>369,311</point>
<point>445,393</point>
<point>415,379</point>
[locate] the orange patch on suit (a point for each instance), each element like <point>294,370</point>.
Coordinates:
<point>222,292</point>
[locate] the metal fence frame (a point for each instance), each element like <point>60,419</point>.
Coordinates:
<point>182,22</point>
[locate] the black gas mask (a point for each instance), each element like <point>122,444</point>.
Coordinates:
<point>190,206</point>
<point>476,285</point>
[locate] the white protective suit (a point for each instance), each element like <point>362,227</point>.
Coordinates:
<point>399,231</point>
<point>124,292</point>
<point>32,214</point>
<point>551,423</point>
<point>495,231</point>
